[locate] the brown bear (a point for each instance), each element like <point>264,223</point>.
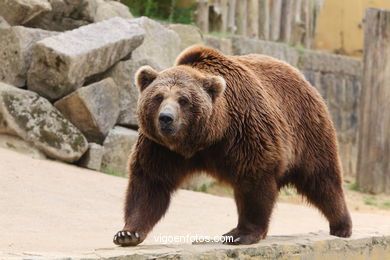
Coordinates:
<point>250,121</point>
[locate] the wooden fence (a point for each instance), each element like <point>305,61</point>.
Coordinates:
<point>290,21</point>
<point>373,168</point>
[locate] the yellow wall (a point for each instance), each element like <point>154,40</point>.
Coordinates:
<point>338,27</point>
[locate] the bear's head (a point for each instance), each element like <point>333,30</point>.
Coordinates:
<point>179,107</point>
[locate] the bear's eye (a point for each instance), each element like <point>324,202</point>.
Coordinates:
<point>183,101</point>
<point>158,98</point>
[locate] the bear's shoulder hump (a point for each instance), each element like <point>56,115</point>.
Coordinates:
<point>196,54</point>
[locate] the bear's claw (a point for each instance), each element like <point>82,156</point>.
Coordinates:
<point>127,238</point>
<point>346,232</point>
<point>235,237</point>
<point>342,229</point>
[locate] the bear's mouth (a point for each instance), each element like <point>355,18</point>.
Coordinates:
<point>167,131</point>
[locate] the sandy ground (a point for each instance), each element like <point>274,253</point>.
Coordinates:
<point>47,206</point>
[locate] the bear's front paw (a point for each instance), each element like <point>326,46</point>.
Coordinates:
<point>235,237</point>
<point>127,238</point>
<point>341,231</point>
<point>342,228</point>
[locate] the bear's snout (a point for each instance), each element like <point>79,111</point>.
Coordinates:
<point>165,119</point>
<point>166,123</point>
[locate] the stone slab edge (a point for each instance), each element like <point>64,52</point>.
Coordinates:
<point>308,246</point>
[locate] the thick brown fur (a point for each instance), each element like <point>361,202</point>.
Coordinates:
<point>267,128</point>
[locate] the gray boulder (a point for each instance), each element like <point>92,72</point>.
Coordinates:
<point>62,63</point>
<point>161,44</point>
<point>189,35</point>
<point>222,44</point>
<point>117,148</point>
<point>92,159</point>
<point>123,74</point>
<point>3,23</point>
<point>65,15</point>
<point>71,14</point>
<point>16,45</point>
<point>109,9</point>
<point>17,144</point>
<point>25,114</point>
<point>93,109</point>
<point>18,12</point>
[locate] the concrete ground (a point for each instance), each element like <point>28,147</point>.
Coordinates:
<point>54,210</point>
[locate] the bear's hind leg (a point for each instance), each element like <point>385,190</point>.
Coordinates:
<point>255,201</point>
<point>324,190</point>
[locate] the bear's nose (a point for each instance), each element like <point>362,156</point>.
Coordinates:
<point>166,118</point>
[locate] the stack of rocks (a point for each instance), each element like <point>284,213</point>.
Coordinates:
<point>67,70</point>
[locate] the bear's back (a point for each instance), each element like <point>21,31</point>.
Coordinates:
<point>266,92</point>
<point>301,104</point>
<point>287,86</point>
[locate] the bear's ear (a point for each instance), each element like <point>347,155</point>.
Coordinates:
<point>214,86</point>
<point>144,76</point>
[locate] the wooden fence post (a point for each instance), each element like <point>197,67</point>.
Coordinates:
<point>202,15</point>
<point>264,19</point>
<point>373,166</point>
<point>241,16</point>
<point>307,17</point>
<point>232,28</point>
<point>287,20</point>
<point>224,16</point>
<point>298,29</point>
<point>276,14</point>
<point>253,19</point>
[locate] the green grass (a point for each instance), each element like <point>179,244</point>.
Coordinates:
<point>385,205</point>
<point>204,188</point>
<point>215,188</point>
<point>370,202</point>
<point>114,173</point>
<point>353,186</point>
<point>219,34</point>
<point>299,47</point>
<point>288,191</point>
<point>163,10</point>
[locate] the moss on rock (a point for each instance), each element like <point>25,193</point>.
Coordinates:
<point>35,120</point>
